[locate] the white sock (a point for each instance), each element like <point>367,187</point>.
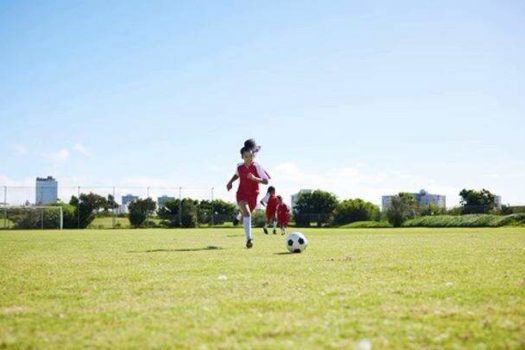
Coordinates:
<point>274,225</point>
<point>247,223</point>
<point>239,216</point>
<point>265,225</point>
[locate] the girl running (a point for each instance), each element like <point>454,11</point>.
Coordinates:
<point>270,201</point>
<point>283,215</point>
<point>250,175</point>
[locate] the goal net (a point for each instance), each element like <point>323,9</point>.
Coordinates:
<point>31,217</point>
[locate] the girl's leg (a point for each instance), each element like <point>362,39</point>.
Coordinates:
<point>265,228</point>
<point>246,222</point>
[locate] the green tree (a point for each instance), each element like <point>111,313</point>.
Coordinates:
<point>474,202</point>
<point>352,210</point>
<point>173,217</point>
<point>85,209</point>
<point>222,211</point>
<point>111,204</point>
<point>31,218</point>
<point>139,210</point>
<point>317,206</point>
<point>402,207</point>
<point>431,209</point>
<point>506,209</point>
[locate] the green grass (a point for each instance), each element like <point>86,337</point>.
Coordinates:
<point>472,220</point>
<point>367,224</point>
<point>107,222</point>
<point>189,289</point>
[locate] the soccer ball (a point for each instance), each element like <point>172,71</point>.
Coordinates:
<point>296,242</point>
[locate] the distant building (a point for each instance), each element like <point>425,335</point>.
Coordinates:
<point>497,202</point>
<point>123,209</point>
<point>128,199</point>
<point>423,198</point>
<point>295,197</point>
<point>46,190</point>
<point>163,199</point>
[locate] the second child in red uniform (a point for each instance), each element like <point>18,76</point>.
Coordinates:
<point>270,201</point>
<point>283,215</point>
<point>250,175</point>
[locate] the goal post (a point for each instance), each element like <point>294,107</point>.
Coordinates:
<point>32,217</point>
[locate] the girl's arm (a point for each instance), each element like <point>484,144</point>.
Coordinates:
<point>229,184</point>
<point>257,179</point>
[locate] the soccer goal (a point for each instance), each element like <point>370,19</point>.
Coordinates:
<point>31,217</point>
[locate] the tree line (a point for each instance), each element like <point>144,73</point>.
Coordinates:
<point>320,208</point>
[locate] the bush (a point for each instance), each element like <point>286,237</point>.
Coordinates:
<point>317,206</point>
<point>258,218</point>
<point>85,209</point>
<point>469,220</point>
<point>139,210</point>
<point>477,202</point>
<point>431,210</point>
<point>220,210</point>
<point>169,213</point>
<point>402,208</point>
<point>352,210</point>
<point>27,218</point>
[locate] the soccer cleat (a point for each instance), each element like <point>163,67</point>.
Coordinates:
<point>274,232</point>
<point>235,221</point>
<point>249,244</point>
<point>265,230</point>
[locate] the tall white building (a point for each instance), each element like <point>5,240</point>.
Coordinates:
<point>46,190</point>
<point>295,197</point>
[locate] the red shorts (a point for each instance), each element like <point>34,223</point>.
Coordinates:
<point>270,214</point>
<point>283,220</point>
<point>251,199</point>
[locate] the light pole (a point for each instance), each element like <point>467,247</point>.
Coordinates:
<point>212,212</point>
<point>5,206</point>
<point>180,206</point>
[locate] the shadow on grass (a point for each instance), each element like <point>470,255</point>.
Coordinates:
<point>210,247</point>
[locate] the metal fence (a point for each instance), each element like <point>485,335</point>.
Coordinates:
<point>15,198</point>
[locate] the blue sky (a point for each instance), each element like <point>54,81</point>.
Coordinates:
<point>361,99</point>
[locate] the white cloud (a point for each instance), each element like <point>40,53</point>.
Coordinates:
<point>59,156</point>
<point>80,148</point>
<point>361,181</point>
<point>21,150</point>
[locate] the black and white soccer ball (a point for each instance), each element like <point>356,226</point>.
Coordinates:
<point>296,242</point>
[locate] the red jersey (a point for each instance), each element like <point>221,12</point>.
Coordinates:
<point>271,202</point>
<point>246,186</point>
<point>282,213</point>
<point>271,206</point>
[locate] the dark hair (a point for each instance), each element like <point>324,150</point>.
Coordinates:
<point>252,145</point>
<point>245,149</point>
<point>271,188</point>
<point>279,198</point>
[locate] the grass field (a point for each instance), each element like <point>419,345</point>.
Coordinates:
<point>189,289</point>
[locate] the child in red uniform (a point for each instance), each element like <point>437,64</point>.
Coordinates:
<point>283,215</point>
<point>270,201</point>
<point>250,175</point>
